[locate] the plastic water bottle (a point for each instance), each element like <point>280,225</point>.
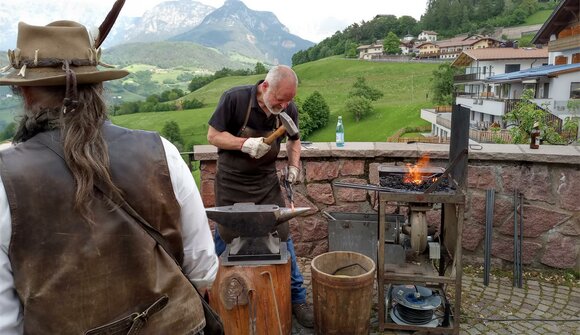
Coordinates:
<point>339,133</point>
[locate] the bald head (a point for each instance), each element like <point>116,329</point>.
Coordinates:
<point>279,88</point>
<point>282,73</point>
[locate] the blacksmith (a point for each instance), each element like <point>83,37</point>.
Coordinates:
<point>246,168</point>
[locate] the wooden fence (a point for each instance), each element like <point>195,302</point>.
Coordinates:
<point>488,136</point>
<point>434,139</point>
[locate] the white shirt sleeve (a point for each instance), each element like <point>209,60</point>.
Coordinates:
<point>200,262</point>
<point>10,308</point>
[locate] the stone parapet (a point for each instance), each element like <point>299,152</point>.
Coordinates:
<point>548,178</point>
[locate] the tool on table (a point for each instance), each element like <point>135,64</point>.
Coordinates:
<point>288,126</point>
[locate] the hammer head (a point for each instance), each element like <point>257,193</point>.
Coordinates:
<point>289,124</point>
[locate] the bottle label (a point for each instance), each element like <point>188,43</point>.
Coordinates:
<point>339,138</point>
<point>537,141</point>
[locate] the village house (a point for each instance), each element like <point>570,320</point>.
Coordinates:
<point>371,51</point>
<point>428,50</point>
<point>451,48</point>
<point>486,100</point>
<point>427,35</point>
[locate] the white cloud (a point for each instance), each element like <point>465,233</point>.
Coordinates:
<point>313,20</point>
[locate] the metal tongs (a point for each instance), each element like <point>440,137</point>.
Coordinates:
<point>288,187</point>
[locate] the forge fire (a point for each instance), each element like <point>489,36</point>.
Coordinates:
<point>416,177</point>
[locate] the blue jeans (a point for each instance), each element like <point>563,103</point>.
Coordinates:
<point>297,291</point>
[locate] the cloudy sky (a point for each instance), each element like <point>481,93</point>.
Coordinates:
<point>316,19</point>
<point>313,20</point>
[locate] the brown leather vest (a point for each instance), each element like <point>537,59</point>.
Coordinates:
<point>71,276</point>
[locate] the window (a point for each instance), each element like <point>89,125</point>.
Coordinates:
<point>512,68</point>
<point>546,91</point>
<point>560,60</point>
<point>575,90</point>
<point>505,90</point>
<point>531,87</point>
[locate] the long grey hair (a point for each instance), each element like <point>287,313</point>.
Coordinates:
<point>85,150</point>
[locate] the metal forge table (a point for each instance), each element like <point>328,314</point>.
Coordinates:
<point>446,279</point>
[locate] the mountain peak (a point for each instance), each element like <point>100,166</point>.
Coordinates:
<point>240,31</point>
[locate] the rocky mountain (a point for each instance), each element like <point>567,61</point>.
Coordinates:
<point>165,20</point>
<point>241,32</point>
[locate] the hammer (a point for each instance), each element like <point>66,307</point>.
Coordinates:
<point>288,126</point>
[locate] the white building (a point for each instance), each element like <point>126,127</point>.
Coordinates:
<point>494,79</point>
<point>487,99</point>
<point>427,35</point>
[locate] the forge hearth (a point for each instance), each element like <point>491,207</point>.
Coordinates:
<point>414,178</point>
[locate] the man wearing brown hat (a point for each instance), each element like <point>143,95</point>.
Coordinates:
<point>95,220</point>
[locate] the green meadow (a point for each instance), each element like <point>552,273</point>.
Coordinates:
<point>405,87</point>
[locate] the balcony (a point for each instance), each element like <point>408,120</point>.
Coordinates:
<point>472,74</point>
<point>486,105</point>
<point>564,43</point>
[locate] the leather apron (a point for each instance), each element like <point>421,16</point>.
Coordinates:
<point>241,178</point>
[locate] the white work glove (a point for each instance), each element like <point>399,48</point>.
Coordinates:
<point>293,174</point>
<point>255,147</point>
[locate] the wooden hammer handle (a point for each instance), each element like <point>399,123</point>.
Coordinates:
<point>279,132</point>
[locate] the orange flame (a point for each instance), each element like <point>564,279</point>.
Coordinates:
<point>414,176</point>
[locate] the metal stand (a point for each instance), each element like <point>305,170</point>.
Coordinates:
<point>445,280</point>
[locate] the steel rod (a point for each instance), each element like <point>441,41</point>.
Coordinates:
<point>521,241</point>
<point>515,257</point>
<point>372,187</point>
<point>489,207</point>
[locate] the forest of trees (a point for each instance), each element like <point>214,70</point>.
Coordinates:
<point>452,17</point>
<point>447,17</point>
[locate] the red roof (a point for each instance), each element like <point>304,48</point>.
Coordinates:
<point>467,56</point>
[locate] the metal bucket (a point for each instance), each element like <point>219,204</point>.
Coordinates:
<point>342,292</point>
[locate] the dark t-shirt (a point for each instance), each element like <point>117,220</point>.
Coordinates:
<point>230,112</point>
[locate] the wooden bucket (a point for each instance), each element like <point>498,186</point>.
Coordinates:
<point>253,299</point>
<point>342,293</point>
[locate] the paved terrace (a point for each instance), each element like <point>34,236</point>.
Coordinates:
<point>499,300</point>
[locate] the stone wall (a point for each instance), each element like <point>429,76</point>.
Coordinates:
<point>549,179</point>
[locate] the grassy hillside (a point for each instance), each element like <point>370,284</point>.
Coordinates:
<point>171,54</point>
<point>538,17</point>
<point>405,87</point>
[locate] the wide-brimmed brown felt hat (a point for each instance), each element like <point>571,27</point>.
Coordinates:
<point>43,54</point>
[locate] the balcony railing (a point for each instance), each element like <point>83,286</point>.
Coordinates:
<point>472,74</point>
<point>444,122</point>
<point>465,77</point>
<point>564,43</point>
